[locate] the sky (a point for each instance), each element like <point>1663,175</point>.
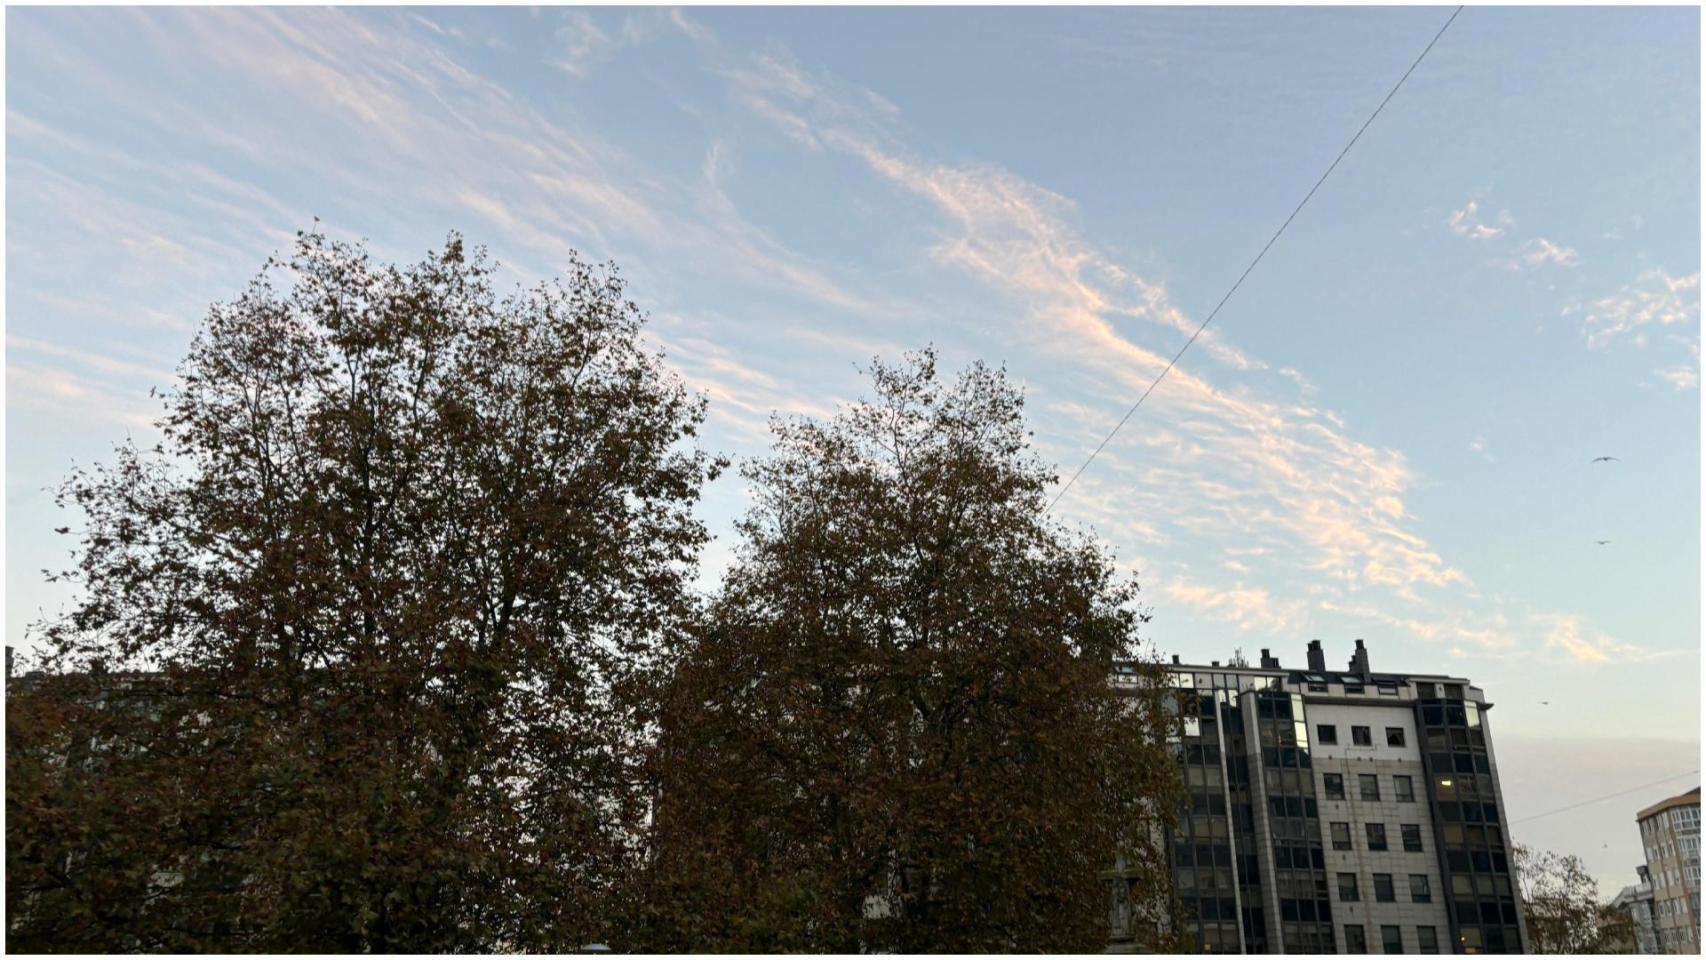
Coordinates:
<point>1386,434</point>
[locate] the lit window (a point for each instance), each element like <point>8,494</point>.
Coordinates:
<point>1394,736</point>
<point>1361,737</point>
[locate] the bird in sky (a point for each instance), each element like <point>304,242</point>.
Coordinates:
<point>1602,542</point>
<point>1602,459</point>
<point>1546,703</point>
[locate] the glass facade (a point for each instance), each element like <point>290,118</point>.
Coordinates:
<point>1202,846</point>
<point>1470,836</point>
<point>1305,918</point>
<point>1249,854</point>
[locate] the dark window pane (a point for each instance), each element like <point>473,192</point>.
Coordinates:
<point>1412,837</point>
<point>1428,939</point>
<point>1361,737</point>
<point>1394,736</point>
<point>1355,941</point>
<point>1391,940</point>
<point>1348,887</point>
<point>1383,892</point>
<point>1334,784</point>
<point>1404,788</point>
<point>1326,733</point>
<point>1370,785</point>
<point>1376,836</point>
<point>1419,891</point>
<point>1341,836</point>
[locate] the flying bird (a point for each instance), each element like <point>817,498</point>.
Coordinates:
<point>1602,542</point>
<point>1546,703</point>
<point>1602,459</point>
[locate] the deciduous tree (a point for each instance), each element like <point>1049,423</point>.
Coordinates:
<point>367,645</point>
<point>1561,905</point>
<point>896,728</point>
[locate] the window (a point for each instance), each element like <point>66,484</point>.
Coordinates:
<point>1391,940</point>
<point>1361,737</point>
<point>1376,836</point>
<point>1326,733</point>
<point>1348,888</point>
<point>1383,892</point>
<point>1428,939</point>
<point>1335,785</point>
<point>1341,836</point>
<point>1355,941</point>
<point>1353,686</point>
<point>1405,789</point>
<point>1419,892</point>
<point>1370,785</point>
<point>1387,689</point>
<point>1412,833</point>
<point>1394,736</point>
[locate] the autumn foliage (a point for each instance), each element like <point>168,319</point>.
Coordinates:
<point>389,645</point>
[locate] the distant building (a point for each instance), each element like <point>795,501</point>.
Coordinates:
<point>1670,834</point>
<point>1340,811</point>
<point>1636,900</point>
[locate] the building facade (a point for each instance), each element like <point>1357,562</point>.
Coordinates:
<point>1636,900</point>
<point>1670,834</point>
<point>1339,811</point>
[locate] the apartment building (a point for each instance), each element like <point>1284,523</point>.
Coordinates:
<point>1670,834</point>
<point>1636,901</point>
<point>1339,811</point>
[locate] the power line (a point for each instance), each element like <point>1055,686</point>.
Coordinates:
<point>1200,327</point>
<point>1608,796</point>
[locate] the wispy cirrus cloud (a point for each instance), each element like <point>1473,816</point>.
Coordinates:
<point>1247,608</point>
<point>1225,455</point>
<point>1541,252</point>
<point>375,101</point>
<point>1229,453</point>
<point>1467,222</point>
<point>1570,637</point>
<point>1655,299</point>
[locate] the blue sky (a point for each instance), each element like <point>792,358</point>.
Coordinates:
<point>1385,434</point>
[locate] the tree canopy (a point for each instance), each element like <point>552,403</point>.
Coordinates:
<point>895,728</point>
<point>389,644</point>
<point>367,644</point>
<point>1560,902</point>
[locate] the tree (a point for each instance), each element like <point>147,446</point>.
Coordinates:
<point>368,645</point>
<point>1561,904</point>
<point>896,728</point>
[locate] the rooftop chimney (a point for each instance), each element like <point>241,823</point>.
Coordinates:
<point>1317,657</point>
<point>1175,659</point>
<point>1269,662</point>
<point>1359,661</point>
